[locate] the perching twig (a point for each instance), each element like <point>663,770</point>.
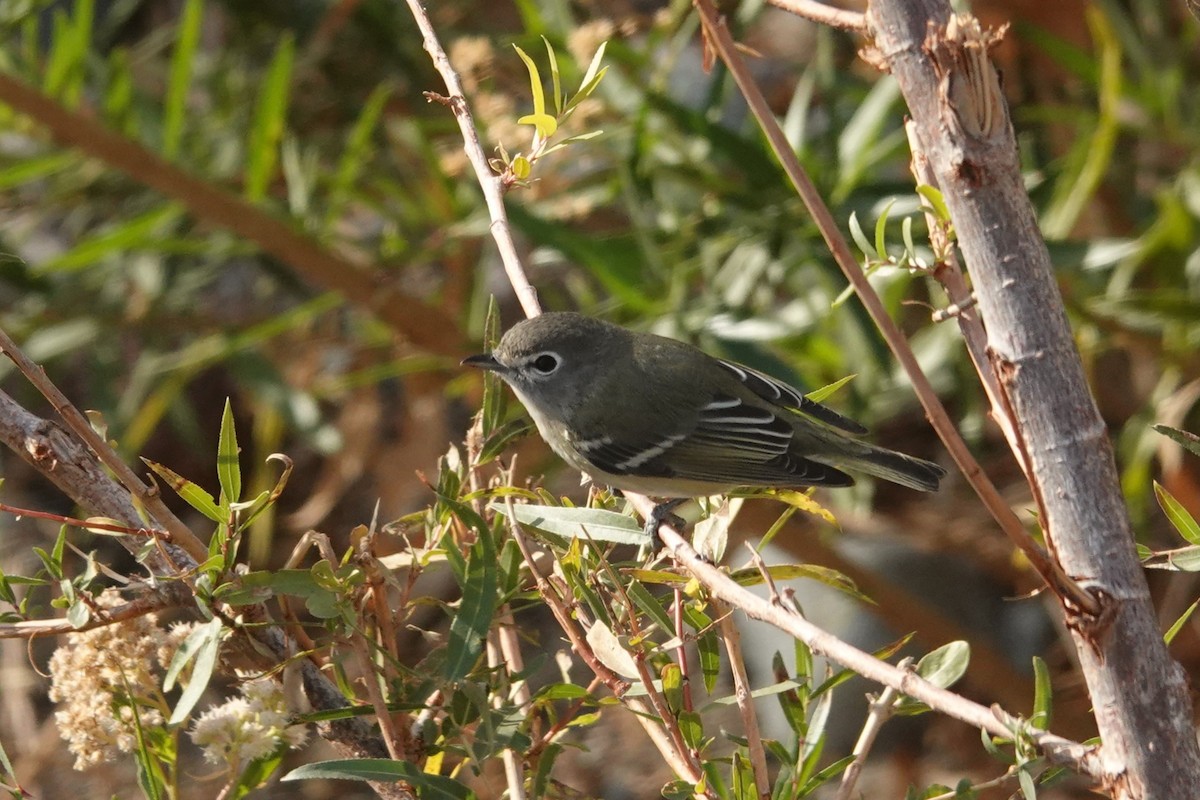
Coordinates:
<point>1079,757</point>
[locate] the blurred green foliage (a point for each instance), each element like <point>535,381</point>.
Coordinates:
<point>676,219</point>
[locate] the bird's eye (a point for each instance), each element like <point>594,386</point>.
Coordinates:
<point>546,363</point>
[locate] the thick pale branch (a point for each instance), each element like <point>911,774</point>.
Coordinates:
<point>1050,571</point>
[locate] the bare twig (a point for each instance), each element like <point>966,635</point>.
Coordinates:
<point>513,768</point>
<point>745,700</point>
<point>489,182</point>
<point>826,15</point>
<point>949,274</point>
<point>392,737</point>
<point>882,709</point>
<point>175,595</point>
<point>146,495</point>
<point>1050,571</point>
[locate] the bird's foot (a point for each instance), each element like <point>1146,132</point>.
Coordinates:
<point>660,514</point>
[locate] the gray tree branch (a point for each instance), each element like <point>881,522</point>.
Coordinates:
<point>1139,693</point>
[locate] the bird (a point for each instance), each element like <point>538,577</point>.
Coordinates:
<point>660,417</point>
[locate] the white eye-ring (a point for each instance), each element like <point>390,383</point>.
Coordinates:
<point>545,363</point>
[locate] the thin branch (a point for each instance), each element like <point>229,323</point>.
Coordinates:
<point>994,721</point>
<point>513,774</point>
<point>1051,572</point>
<point>745,700</point>
<point>175,595</point>
<point>950,275</point>
<point>392,737</point>
<point>826,15</point>
<point>489,181</point>
<point>882,709</point>
<point>147,495</point>
<point>425,326</point>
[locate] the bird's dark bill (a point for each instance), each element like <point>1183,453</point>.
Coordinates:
<point>481,361</point>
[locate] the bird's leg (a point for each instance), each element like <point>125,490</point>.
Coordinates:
<point>660,514</point>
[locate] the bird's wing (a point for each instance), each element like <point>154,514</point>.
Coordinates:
<point>774,391</point>
<point>732,443</point>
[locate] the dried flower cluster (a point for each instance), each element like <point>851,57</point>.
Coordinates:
<point>251,726</point>
<point>105,683</point>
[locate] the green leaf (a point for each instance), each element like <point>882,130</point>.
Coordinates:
<point>1170,635</point>
<point>936,201</point>
<point>1183,521</point>
<point>429,787</point>
<point>229,470</point>
<point>751,576</point>
<point>864,244</point>
<point>573,523</point>
<point>201,647</point>
<point>1043,693</point>
<point>356,153</point>
<point>475,611</point>
<point>266,131</point>
<point>546,126</point>
<point>191,493</point>
<point>1189,441</point>
<point>179,78</point>
<point>830,389</point>
<point>945,665</point>
<point>539,118</point>
<point>649,605</point>
<point>554,76</point>
<point>707,647</point>
<point>127,235</point>
<point>881,230</point>
<point>591,79</point>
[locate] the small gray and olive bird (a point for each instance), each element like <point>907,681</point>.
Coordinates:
<point>660,417</point>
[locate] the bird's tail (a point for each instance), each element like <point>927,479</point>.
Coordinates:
<point>888,464</point>
<point>915,473</point>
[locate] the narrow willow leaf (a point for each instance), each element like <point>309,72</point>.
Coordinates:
<point>1043,693</point>
<point>1170,635</point>
<point>179,77</point>
<point>594,523</point>
<point>430,787</point>
<point>201,649</point>
<point>554,76</point>
<point>1189,441</point>
<point>191,493</point>
<point>864,244</point>
<point>610,651</point>
<point>937,203</point>
<point>881,230</point>
<point>649,605</point>
<point>1180,517</point>
<point>475,610</point>
<point>539,118</point>
<point>266,131</point>
<point>229,470</point>
<point>945,665</point>
<point>356,152</point>
<point>829,389</point>
<point>127,235</point>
